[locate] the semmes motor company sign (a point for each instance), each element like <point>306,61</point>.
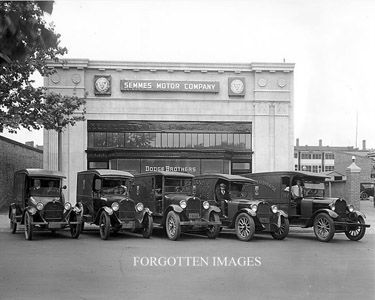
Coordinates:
<point>169,86</point>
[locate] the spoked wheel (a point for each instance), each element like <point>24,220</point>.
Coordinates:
<point>213,230</point>
<point>245,227</point>
<point>75,229</point>
<point>147,226</point>
<point>282,231</point>
<point>172,226</point>
<point>324,228</point>
<point>28,226</point>
<point>355,233</point>
<point>104,226</point>
<point>13,223</point>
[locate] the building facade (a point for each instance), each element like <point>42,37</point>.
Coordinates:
<point>15,156</point>
<point>189,117</point>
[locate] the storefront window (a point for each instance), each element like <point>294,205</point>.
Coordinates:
<point>182,140</point>
<point>206,140</point>
<point>200,143</point>
<point>176,140</point>
<point>188,140</point>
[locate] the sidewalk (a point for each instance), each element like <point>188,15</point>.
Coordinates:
<point>367,207</point>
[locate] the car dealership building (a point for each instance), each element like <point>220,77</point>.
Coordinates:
<point>188,117</point>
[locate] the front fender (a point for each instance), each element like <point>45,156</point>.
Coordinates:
<point>283,213</point>
<point>108,211</point>
<point>207,212</point>
<point>248,211</point>
<point>330,212</point>
<point>176,208</point>
<point>140,215</point>
<point>358,213</point>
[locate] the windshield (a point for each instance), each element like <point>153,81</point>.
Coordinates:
<point>114,186</point>
<point>44,187</point>
<point>178,185</point>
<point>313,189</point>
<point>241,190</point>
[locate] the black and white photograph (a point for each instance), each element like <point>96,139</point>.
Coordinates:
<point>187,149</point>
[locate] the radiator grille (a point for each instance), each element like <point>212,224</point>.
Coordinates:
<point>53,211</point>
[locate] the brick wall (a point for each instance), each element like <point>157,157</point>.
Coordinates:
<point>343,160</point>
<point>15,156</point>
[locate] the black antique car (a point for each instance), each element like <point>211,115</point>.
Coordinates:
<point>311,209</point>
<point>175,207</point>
<point>104,195</point>
<point>239,210</point>
<point>39,203</point>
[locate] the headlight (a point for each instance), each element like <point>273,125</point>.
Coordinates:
<point>274,209</point>
<point>115,206</point>
<point>206,205</point>
<point>67,206</point>
<point>40,206</point>
<point>183,204</point>
<point>32,210</point>
<point>351,208</point>
<point>254,207</point>
<point>332,205</point>
<point>139,206</point>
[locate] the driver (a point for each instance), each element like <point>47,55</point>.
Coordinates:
<point>222,197</point>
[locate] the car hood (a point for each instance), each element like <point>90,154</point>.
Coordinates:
<point>322,200</point>
<point>116,198</point>
<point>179,197</point>
<point>245,201</point>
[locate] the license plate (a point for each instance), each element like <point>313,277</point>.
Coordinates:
<point>54,225</point>
<point>194,216</point>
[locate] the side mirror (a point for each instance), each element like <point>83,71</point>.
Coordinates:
<point>97,184</point>
<point>64,187</point>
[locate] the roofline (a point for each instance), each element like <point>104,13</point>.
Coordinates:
<point>20,144</point>
<point>84,63</point>
<point>228,177</point>
<point>310,174</point>
<point>165,173</point>
<point>41,173</point>
<point>102,172</point>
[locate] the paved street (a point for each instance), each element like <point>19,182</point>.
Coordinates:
<point>58,267</point>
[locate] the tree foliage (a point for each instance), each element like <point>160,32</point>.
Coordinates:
<point>26,44</point>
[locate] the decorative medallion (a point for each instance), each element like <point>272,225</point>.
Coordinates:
<point>55,78</point>
<point>262,82</point>
<point>236,86</point>
<point>102,84</point>
<point>76,78</point>
<point>282,82</point>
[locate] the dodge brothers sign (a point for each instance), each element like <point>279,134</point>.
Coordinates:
<point>169,86</point>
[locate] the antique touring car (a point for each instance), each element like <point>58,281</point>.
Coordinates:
<point>312,208</point>
<point>239,209</point>
<point>104,195</point>
<point>39,203</point>
<point>175,207</point>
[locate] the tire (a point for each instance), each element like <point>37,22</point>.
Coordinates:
<point>213,230</point>
<point>283,231</point>
<point>356,233</point>
<point>245,227</point>
<point>172,226</point>
<point>363,195</point>
<point>75,229</point>
<point>147,226</point>
<point>324,228</point>
<point>13,224</point>
<point>28,226</point>
<point>82,226</point>
<point>104,225</point>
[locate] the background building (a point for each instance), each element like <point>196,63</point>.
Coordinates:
<point>15,156</point>
<point>190,117</point>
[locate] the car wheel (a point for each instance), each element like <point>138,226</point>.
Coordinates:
<point>245,227</point>
<point>363,195</point>
<point>324,228</point>
<point>75,229</point>
<point>13,224</point>
<point>28,226</point>
<point>213,230</point>
<point>355,233</point>
<point>104,226</point>
<point>282,231</point>
<point>147,226</point>
<point>172,226</point>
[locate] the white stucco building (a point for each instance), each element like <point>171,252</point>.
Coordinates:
<point>190,117</point>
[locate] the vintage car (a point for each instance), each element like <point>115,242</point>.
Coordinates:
<point>171,197</point>
<point>366,190</point>
<point>239,210</point>
<point>326,215</point>
<point>39,203</point>
<point>104,195</point>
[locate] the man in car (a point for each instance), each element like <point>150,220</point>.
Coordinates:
<point>222,198</point>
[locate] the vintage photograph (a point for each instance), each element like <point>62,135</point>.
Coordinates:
<point>185,149</point>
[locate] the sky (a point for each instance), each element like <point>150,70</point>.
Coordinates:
<point>332,43</point>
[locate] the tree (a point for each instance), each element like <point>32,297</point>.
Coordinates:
<point>26,44</point>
